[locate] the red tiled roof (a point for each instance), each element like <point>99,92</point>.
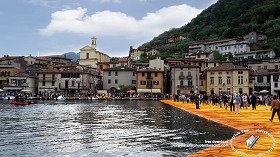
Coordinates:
<point>227,67</point>
<point>184,66</point>
<point>120,68</point>
<point>149,70</point>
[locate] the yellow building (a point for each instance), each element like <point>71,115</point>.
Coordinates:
<point>227,78</point>
<point>90,56</point>
<point>149,81</point>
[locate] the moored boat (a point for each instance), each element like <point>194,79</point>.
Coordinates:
<point>22,102</point>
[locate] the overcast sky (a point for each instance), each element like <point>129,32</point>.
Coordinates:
<point>46,27</point>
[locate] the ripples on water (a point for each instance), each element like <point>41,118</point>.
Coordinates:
<point>103,129</point>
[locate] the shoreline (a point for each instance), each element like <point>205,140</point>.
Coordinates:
<point>249,122</point>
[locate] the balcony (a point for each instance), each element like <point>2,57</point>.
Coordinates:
<point>185,87</point>
<point>182,77</point>
<point>189,77</point>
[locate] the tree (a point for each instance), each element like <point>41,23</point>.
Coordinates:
<point>218,56</point>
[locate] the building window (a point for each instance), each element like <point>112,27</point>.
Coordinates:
<point>220,73</point>
<point>73,83</point>
<point>116,81</point>
<point>240,79</point>
<point>240,72</point>
<point>211,80</point>
<point>143,74</point>
<point>44,76</point>
<point>240,90</point>
<point>109,81</point>
<point>212,73</point>
<point>259,67</point>
<point>143,82</point>
<point>156,82</point>
<point>109,73</point>
<point>228,80</point>
<point>260,79</point>
<point>156,74</point>
<point>87,55</point>
<point>276,85</point>
<point>275,78</point>
<point>133,74</point>
<point>44,83</point>
<point>116,73</point>
<point>220,79</point>
<point>276,66</point>
<point>190,83</point>
<point>201,83</point>
<point>53,83</point>
<point>133,82</point>
<point>53,77</point>
<point>181,82</point>
<point>189,73</point>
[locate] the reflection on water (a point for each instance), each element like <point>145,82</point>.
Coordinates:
<point>106,129</point>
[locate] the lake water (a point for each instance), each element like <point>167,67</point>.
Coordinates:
<point>103,129</point>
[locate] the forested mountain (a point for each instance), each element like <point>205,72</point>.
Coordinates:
<point>225,19</point>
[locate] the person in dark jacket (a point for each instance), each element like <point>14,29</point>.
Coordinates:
<point>253,101</point>
<point>197,102</point>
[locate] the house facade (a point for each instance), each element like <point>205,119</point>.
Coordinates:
<point>185,79</point>
<point>150,81</point>
<point>227,78</point>
<point>9,66</point>
<point>22,81</point>
<point>226,46</point>
<point>115,77</point>
<point>256,37</point>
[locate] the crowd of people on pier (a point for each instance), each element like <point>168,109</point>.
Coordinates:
<point>234,101</point>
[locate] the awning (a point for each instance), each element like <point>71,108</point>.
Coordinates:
<point>12,88</point>
<point>149,90</point>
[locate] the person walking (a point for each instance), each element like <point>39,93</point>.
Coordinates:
<point>254,101</point>
<point>266,101</point>
<point>245,101</point>
<point>196,102</point>
<point>237,103</point>
<point>275,108</point>
<point>231,104</point>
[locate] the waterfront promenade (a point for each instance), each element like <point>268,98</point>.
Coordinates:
<point>252,122</point>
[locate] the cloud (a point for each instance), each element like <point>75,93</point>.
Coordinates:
<point>118,24</point>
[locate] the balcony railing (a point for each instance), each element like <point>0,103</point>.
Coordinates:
<point>184,87</point>
<point>189,77</point>
<point>182,77</point>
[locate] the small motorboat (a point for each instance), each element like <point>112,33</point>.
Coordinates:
<point>60,98</point>
<point>22,102</point>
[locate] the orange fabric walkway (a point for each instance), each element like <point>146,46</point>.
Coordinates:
<point>251,122</point>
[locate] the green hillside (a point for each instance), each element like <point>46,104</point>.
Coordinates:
<point>225,19</point>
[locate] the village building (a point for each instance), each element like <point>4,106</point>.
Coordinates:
<point>184,79</point>
<point>227,78</point>
<point>90,56</point>
<point>118,76</point>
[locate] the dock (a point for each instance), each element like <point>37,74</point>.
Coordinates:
<point>249,122</point>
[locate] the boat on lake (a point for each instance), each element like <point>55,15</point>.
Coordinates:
<point>22,102</point>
